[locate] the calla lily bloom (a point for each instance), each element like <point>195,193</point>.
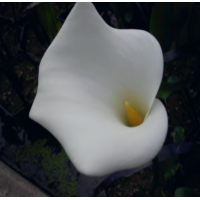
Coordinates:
<point>88,78</point>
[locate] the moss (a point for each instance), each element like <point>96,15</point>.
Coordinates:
<point>25,154</point>
<point>55,165</point>
<point>63,187</point>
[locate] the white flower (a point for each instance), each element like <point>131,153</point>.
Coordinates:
<point>87,74</point>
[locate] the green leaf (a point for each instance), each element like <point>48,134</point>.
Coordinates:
<point>182,18</point>
<point>172,167</point>
<point>169,167</point>
<point>114,7</point>
<point>184,192</point>
<point>163,194</point>
<point>47,17</point>
<point>29,78</point>
<point>174,79</point>
<point>31,68</point>
<point>179,134</point>
<point>161,24</point>
<point>164,93</point>
<point>169,22</point>
<point>173,83</point>
<point>128,16</point>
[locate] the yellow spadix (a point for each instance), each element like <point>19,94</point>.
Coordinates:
<point>134,117</point>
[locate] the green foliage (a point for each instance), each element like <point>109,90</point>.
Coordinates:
<point>160,24</point>
<point>184,192</point>
<point>20,73</point>
<point>169,167</point>
<point>128,16</point>
<point>24,154</point>
<point>164,93</point>
<point>174,79</point>
<point>179,134</point>
<point>115,8</point>
<point>31,68</point>
<point>29,78</point>
<point>175,24</point>
<point>173,83</point>
<point>55,166</point>
<point>163,194</point>
<point>47,17</point>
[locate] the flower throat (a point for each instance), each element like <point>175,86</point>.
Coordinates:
<point>134,117</point>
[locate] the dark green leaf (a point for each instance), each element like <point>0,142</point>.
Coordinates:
<point>172,167</point>
<point>163,194</point>
<point>116,10</point>
<point>179,134</point>
<point>169,167</point>
<point>169,23</point>
<point>128,16</point>
<point>184,192</point>
<point>182,18</point>
<point>174,79</point>
<point>114,7</point>
<point>173,86</point>
<point>161,24</point>
<point>164,93</point>
<point>47,17</point>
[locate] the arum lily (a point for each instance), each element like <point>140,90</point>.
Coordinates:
<point>89,76</point>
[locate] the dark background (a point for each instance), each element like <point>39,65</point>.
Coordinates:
<point>25,35</point>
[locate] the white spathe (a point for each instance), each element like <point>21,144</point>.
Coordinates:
<point>85,77</point>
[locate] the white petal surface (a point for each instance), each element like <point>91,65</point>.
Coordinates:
<point>85,77</point>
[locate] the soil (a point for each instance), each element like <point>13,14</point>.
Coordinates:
<point>32,45</point>
<point>10,36</point>
<point>7,11</point>
<point>176,106</point>
<point>9,98</point>
<point>126,187</point>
